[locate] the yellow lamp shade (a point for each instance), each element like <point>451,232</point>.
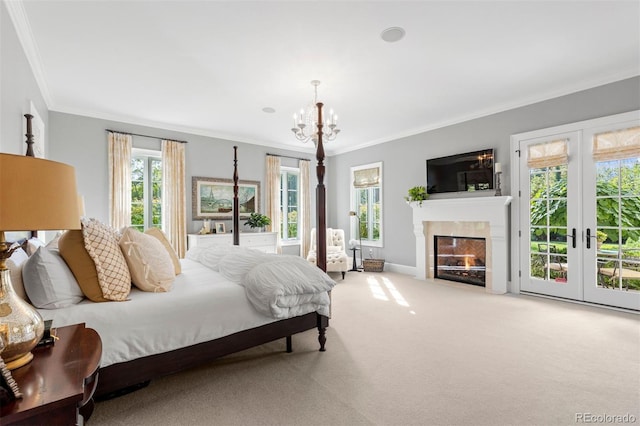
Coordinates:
<point>35,194</point>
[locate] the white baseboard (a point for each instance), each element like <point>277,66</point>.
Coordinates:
<point>401,269</point>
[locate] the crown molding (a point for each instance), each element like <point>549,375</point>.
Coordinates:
<point>187,130</point>
<point>495,109</point>
<point>20,21</point>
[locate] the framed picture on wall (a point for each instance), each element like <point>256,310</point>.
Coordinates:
<point>212,198</point>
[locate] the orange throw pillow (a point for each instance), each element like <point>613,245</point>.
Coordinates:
<point>71,246</point>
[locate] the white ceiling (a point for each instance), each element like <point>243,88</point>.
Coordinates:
<point>210,67</point>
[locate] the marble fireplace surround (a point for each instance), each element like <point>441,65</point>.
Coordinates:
<point>485,217</point>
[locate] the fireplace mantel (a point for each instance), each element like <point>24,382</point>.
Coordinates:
<point>493,211</point>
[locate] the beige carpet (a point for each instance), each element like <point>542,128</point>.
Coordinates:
<point>406,352</point>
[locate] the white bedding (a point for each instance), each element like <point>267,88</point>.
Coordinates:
<point>201,306</point>
<point>280,286</point>
<point>288,286</point>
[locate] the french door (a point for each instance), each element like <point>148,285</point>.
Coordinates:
<point>611,219</point>
<point>579,212</point>
<point>550,208</point>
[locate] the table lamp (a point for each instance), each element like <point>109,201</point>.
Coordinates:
<point>35,194</point>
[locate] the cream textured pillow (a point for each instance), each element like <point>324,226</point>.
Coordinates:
<point>102,246</point>
<point>162,237</point>
<point>149,262</point>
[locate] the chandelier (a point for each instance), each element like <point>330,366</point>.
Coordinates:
<point>305,125</point>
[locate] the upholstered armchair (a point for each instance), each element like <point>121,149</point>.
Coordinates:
<point>337,259</point>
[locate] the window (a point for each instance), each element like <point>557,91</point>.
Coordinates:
<point>146,189</point>
<point>289,191</point>
<point>366,196</point>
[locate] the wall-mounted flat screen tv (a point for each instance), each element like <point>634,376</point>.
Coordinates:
<point>471,171</point>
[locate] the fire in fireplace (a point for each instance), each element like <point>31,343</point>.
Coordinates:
<point>461,259</point>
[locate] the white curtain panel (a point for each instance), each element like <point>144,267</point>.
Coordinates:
<point>119,179</point>
<point>304,209</point>
<point>273,197</point>
<point>174,208</point>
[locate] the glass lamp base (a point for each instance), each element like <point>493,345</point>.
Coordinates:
<point>23,360</point>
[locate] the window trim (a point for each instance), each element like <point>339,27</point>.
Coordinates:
<point>296,171</point>
<point>353,203</point>
<point>148,155</point>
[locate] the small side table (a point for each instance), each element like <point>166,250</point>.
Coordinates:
<point>59,383</point>
<point>354,268</point>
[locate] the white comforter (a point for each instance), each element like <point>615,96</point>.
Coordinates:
<point>203,305</point>
<point>279,286</point>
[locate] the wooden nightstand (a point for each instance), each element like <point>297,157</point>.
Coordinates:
<point>58,384</point>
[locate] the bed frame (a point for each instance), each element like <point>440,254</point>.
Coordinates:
<point>137,373</point>
<point>117,379</point>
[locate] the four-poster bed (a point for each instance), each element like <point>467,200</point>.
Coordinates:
<point>126,369</point>
<point>141,370</point>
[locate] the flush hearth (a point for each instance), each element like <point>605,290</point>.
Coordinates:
<point>461,259</point>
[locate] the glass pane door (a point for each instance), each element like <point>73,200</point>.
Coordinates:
<point>612,221</point>
<point>550,260</point>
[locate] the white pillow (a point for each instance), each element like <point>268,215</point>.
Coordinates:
<point>149,262</point>
<point>49,282</point>
<point>194,253</point>
<point>15,264</point>
<point>33,244</point>
<point>212,255</point>
<point>235,265</point>
<point>53,244</point>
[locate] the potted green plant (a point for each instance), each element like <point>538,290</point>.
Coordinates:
<point>258,221</point>
<point>601,237</point>
<point>417,194</point>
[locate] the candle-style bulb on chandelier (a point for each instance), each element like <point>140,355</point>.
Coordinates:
<point>305,125</point>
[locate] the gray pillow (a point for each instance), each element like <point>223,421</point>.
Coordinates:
<point>49,282</point>
<point>15,264</point>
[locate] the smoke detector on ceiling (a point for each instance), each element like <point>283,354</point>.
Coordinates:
<point>393,34</point>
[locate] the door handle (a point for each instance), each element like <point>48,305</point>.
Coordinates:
<point>573,237</point>
<point>588,238</point>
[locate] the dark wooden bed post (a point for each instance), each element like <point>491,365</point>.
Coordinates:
<point>29,136</point>
<point>321,219</point>
<point>30,153</point>
<point>321,202</point>
<point>321,322</point>
<point>236,204</point>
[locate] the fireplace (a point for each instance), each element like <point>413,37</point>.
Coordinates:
<point>482,217</point>
<point>461,259</point>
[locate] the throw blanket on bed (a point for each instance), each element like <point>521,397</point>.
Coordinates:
<point>279,286</point>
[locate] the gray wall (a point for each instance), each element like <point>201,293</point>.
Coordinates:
<point>82,142</point>
<point>18,87</point>
<point>404,159</point>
